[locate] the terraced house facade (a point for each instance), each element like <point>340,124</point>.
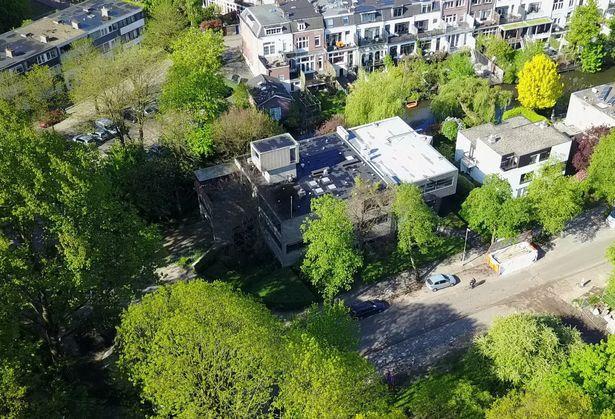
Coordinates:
<point>298,38</point>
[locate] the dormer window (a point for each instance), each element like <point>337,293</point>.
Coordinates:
<point>368,17</point>
<point>273,31</point>
<point>301,26</point>
<point>398,11</point>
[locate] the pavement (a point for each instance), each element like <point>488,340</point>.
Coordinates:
<point>422,327</point>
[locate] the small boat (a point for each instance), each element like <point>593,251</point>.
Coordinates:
<point>412,104</point>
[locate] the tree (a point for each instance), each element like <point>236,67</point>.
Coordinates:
<point>584,26</point>
<point>382,94</point>
<point>13,403</point>
<point>128,78</point>
<point>601,169</point>
<point>71,253</point>
<point>322,381</point>
<point>13,13</point>
<point>585,144</point>
<point>166,22</point>
<point>241,96</point>
<point>193,81</point>
<point>540,85</point>
<point>555,198</point>
<point>590,368</point>
<point>331,325</point>
<point>592,56</point>
<point>470,98</point>
<point>568,402</point>
<point>200,360</point>
<point>331,259</point>
<point>450,127</point>
<point>455,66</point>
<point>484,207</point>
<point>233,131</point>
<point>444,396</point>
<point>416,223</point>
<point>367,203</point>
<point>494,46</point>
<point>524,347</point>
<point>77,59</point>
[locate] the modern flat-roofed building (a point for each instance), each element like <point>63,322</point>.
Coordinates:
<point>592,107</point>
<point>513,150</point>
<point>286,174</point>
<point>42,42</point>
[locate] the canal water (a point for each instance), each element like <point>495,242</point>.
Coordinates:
<point>421,118</point>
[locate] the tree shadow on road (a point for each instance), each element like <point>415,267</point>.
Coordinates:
<point>411,337</point>
<point>584,227</point>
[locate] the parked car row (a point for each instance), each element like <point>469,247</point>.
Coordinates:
<point>104,130</point>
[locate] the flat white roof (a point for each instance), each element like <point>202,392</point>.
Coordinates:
<point>398,152</point>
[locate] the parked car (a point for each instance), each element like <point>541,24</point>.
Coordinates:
<point>129,114</point>
<point>364,309</point>
<point>439,281</point>
<point>102,135</point>
<point>85,139</point>
<point>610,220</point>
<point>107,125</point>
<point>150,109</point>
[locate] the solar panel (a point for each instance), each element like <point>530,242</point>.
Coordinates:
<point>604,93</point>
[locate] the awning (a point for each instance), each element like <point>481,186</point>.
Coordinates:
<point>525,23</point>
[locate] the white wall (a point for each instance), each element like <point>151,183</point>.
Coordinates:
<point>583,115</point>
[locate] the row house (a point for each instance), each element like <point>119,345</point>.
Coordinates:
<point>43,41</point>
<point>345,35</point>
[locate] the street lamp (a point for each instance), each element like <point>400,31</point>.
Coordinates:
<point>465,243</point>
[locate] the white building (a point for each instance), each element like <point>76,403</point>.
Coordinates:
<point>591,108</point>
<point>401,155</point>
<point>513,150</point>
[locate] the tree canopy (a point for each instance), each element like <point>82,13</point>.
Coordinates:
<point>540,85</point>
<point>331,259</point>
<point>584,25</point>
<point>524,347</point>
<point>13,13</point>
<point>200,349</point>
<point>491,209</point>
<point>601,169</point>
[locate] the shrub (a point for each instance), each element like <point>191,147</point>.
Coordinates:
<point>528,113</point>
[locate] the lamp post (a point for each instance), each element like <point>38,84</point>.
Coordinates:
<point>465,243</point>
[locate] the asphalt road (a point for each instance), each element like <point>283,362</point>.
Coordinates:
<point>420,328</point>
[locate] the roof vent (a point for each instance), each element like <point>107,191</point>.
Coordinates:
<point>44,39</point>
<point>86,9</point>
<point>492,139</point>
<point>104,12</point>
<point>9,52</point>
<point>74,24</point>
<point>341,131</point>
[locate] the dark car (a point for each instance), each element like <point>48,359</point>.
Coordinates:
<point>130,115</point>
<point>363,309</point>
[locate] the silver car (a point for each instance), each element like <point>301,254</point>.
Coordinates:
<point>439,281</point>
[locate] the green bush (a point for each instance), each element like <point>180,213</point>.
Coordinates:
<point>609,293</point>
<point>528,113</point>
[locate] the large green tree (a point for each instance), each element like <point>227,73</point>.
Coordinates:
<point>70,252</point>
<point>166,22</point>
<point>525,347</point>
<point>584,26</point>
<point>201,349</point>
<point>416,223</point>
<point>601,168</point>
<point>13,13</point>
<point>555,198</point>
<point>331,259</point>
<point>492,211</point>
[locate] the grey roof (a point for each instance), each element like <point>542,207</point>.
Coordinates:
<point>600,97</point>
<point>57,28</point>
<point>286,15</point>
<point>264,88</point>
<point>516,135</point>
<point>274,143</point>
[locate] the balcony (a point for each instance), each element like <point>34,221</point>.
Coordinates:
<point>379,39</point>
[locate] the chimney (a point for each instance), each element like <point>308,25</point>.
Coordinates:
<point>74,24</point>
<point>44,39</point>
<point>105,12</point>
<point>9,52</point>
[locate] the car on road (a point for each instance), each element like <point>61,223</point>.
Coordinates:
<point>610,220</point>
<point>440,281</point>
<point>102,135</point>
<point>363,309</point>
<point>107,125</point>
<point>85,139</point>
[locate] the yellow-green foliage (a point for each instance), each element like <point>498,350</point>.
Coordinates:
<point>539,83</point>
<point>520,110</point>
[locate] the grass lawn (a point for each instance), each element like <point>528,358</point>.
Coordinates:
<point>277,287</point>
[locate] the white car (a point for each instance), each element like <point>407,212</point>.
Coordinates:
<point>610,220</point>
<point>440,281</point>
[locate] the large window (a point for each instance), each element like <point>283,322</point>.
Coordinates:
<point>525,178</point>
<point>402,28</point>
<point>302,42</point>
<point>273,31</point>
<point>558,4</point>
<point>368,17</point>
<point>317,41</point>
<point>398,11</point>
<point>268,48</point>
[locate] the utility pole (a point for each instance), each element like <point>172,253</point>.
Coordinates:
<point>465,244</point>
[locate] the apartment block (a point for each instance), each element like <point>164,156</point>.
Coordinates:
<point>591,108</point>
<point>513,150</point>
<point>42,42</point>
<point>360,33</point>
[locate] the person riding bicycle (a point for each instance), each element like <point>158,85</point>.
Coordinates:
<point>472,282</point>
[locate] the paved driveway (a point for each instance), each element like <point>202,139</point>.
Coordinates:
<point>419,328</point>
